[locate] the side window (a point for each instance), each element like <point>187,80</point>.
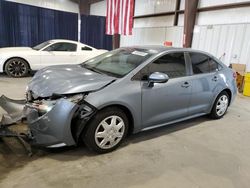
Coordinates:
<point>203,64</point>
<point>214,66</point>
<point>86,48</point>
<point>172,64</point>
<point>62,47</point>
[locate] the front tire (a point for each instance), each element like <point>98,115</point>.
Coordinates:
<point>106,130</point>
<point>220,106</point>
<point>16,67</point>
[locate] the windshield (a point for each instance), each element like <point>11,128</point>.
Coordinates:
<point>119,62</point>
<point>42,45</point>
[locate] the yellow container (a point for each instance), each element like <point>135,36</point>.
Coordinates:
<point>246,90</point>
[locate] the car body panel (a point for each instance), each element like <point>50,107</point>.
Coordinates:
<point>53,127</point>
<point>65,80</point>
<point>204,89</point>
<point>38,59</point>
<point>128,96</point>
<point>156,107</point>
<point>14,108</point>
<point>150,107</point>
<point>26,53</point>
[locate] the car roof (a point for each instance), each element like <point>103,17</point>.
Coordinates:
<point>161,48</point>
<point>157,48</point>
<point>71,41</point>
<point>63,40</point>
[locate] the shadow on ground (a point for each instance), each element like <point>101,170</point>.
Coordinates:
<point>13,156</point>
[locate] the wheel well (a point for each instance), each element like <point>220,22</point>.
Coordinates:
<point>229,94</point>
<point>128,114</point>
<point>13,58</point>
<point>75,124</point>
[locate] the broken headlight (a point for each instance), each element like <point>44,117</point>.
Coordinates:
<point>44,106</point>
<point>76,98</point>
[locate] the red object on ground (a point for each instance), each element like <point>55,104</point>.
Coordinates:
<point>168,43</point>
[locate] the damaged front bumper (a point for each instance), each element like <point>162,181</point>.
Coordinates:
<point>53,128</point>
<point>14,109</point>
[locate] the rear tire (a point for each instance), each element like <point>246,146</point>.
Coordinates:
<point>220,106</point>
<point>16,67</point>
<point>106,131</point>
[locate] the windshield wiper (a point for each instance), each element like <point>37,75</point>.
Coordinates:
<point>101,71</point>
<point>92,69</point>
<point>112,74</point>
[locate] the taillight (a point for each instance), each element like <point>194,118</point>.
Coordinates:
<point>235,75</point>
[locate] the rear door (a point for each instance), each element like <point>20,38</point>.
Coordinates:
<point>205,78</point>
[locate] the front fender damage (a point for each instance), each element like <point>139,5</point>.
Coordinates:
<point>61,126</point>
<point>52,129</point>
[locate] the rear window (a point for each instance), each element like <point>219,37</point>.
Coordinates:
<point>86,48</point>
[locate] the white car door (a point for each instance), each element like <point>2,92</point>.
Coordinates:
<point>59,53</point>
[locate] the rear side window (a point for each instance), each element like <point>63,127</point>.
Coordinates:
<point>86,48</point>
<point>172,64</point>
<point>203,64</point>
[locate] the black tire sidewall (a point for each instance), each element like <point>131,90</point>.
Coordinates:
<point>19,59</point>
<point>89,135</point>
<point>214,114</point>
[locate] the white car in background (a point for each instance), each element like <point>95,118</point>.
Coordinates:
<point>19,61</point>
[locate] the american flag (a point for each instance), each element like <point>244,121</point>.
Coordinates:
<point>119,17</point>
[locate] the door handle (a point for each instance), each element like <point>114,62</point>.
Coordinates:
<point>215,78</point>
<point>185,84</point>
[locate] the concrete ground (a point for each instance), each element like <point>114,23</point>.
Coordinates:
<point>199,153</point>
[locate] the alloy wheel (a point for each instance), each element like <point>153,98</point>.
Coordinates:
<point>17,68</point>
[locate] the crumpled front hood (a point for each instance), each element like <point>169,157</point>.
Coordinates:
<point>66,79</point>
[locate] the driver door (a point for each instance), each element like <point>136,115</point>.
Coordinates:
<point>59,53</point>
<point>166,102</point>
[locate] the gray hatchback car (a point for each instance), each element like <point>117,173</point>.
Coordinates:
<point>125,91</point>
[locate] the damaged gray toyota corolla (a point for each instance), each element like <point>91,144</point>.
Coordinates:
<point>125,90</point>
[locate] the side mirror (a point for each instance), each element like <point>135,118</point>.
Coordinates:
<point>157,77</point>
